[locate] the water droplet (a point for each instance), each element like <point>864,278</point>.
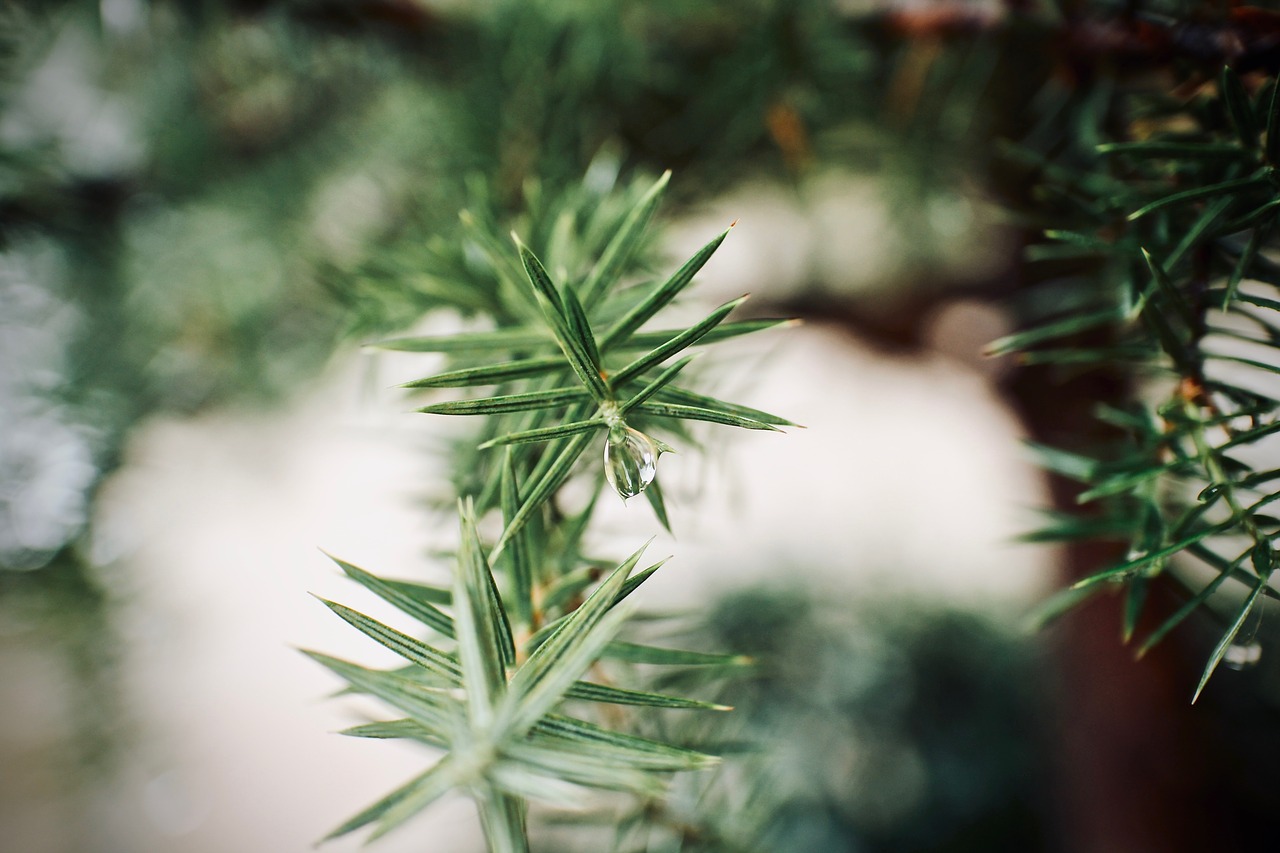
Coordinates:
<point>630,461</point>
<point>1208,492</point>
<point>1243,655</point>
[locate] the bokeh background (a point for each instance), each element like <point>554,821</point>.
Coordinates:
<point>207,208</point>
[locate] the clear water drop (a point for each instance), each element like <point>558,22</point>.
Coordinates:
<point>1243,655</point>
<point>630,461</point>
<point>1208,492</point>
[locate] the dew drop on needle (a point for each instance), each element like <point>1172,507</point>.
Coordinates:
<point>630,461</point>
<point>1243,655</point>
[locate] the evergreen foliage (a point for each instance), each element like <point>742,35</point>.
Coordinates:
<point>530,616</point>
<point>1136,144</point>
<point>1172,218</point>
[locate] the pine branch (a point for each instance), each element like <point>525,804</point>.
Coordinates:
<point>530,620</point>
<point>1197,207</point>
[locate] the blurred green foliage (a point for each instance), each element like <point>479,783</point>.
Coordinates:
<point>875,725</point>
